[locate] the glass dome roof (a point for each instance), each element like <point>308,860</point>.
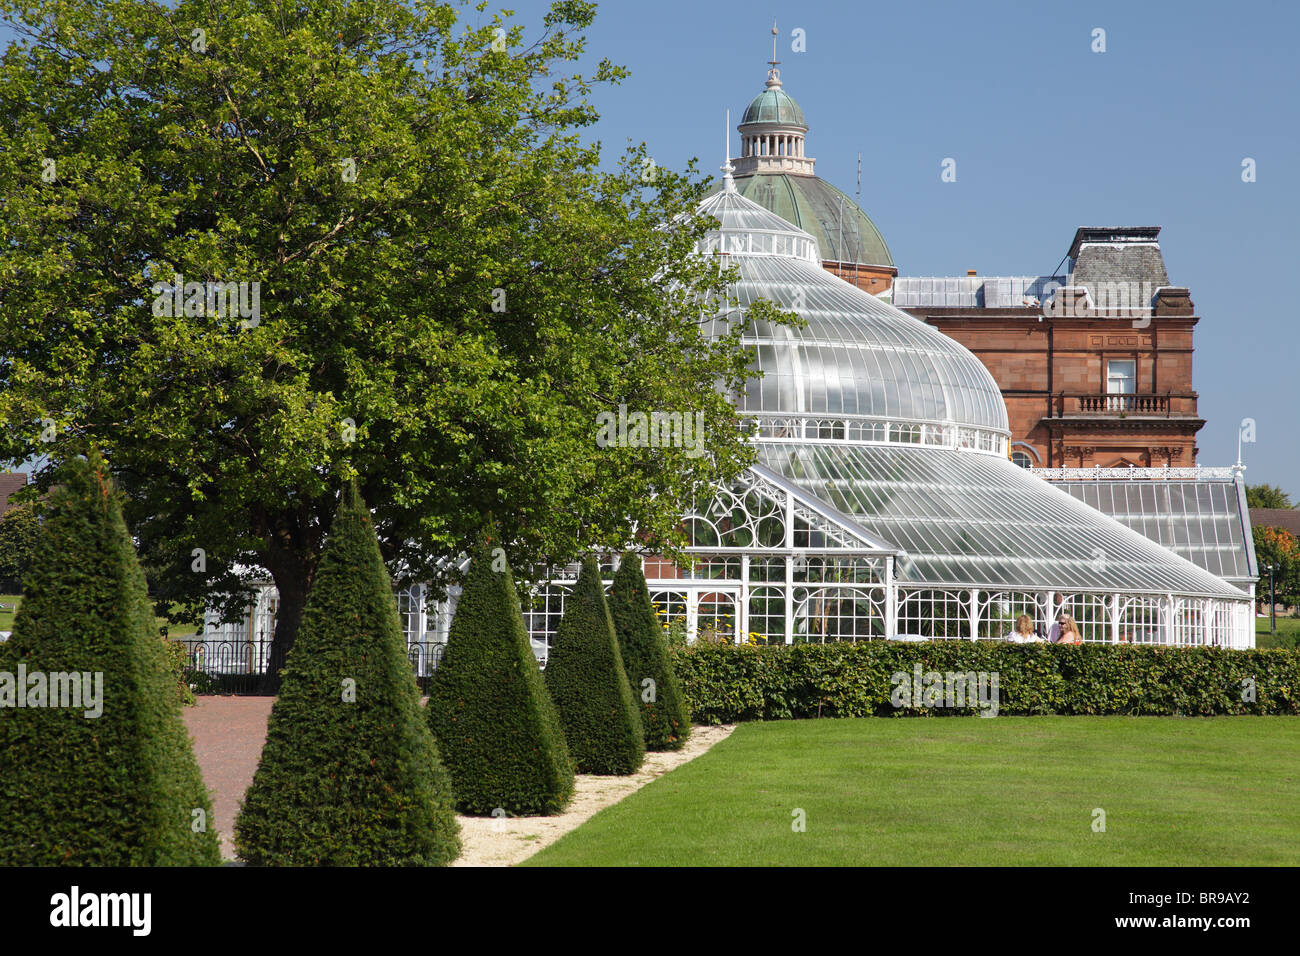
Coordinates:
<point>962,514</point>
<point>857,356</point>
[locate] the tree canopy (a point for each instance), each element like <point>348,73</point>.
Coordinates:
<point>254,250</point>
<point>1267,496</point>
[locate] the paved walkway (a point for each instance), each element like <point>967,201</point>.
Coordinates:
<point>228,736</point>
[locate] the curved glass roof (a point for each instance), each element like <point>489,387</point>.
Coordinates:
<point>964,515</point>
<point>857,355</point>
<point>981,521</point>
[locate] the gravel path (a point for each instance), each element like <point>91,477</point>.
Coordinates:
<point>229,733</point>
<point>507,841</point>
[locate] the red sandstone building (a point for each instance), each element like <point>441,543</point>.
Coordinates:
<point>1095,364</point>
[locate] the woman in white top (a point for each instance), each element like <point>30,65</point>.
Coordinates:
<point>1024,631</point>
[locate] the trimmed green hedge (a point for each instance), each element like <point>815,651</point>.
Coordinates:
<point>725,684</point>
<point>121,788</point>
<point>645,657</point>
<point>488,708</point>
<point>585,675</point>
<point>349,775</point>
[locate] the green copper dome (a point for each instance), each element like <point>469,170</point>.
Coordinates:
<point>774,105</point>
<point>842,230</point>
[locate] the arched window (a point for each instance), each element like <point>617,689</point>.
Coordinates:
<point>1025,455</point>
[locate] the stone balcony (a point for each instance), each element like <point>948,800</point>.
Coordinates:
<point>1109,405</point>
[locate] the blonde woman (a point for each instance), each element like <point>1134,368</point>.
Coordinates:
<point>1069,631</point>
<point>1024,631</point>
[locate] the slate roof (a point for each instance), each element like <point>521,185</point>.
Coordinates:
<point>1288,518</point>
<point>1118,254</point>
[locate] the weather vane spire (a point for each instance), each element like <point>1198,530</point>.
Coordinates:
<point>774,75</point>
<point>728,183</point>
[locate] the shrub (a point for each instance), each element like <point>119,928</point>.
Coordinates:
<point>728,684</point>
<point>349,775</point>
<point>178,664</point>
<point>586,678</point>
<point>644,647</point>
<point>488,707</point>
<point>20,536</point>
<point>123,788</point>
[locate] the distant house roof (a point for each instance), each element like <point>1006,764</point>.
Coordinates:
<point>1288,518</point>
<point>10,482</point>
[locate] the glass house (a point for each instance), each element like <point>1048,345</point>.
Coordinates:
<point>883,504</point>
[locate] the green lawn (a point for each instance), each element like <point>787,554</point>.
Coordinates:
<point>1288,632</point>
<point>1008,791</point>
<point>12,602</point>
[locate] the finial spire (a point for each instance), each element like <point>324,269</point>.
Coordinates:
<point>728,183</point>
<point>774,75</point>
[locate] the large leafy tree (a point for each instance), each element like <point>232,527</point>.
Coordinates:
<point>450,287</point>
<point>1267,496</point>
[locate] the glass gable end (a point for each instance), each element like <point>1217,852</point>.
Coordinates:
<point>1204,518</point>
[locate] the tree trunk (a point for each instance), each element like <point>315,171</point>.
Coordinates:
<point>292,578</point>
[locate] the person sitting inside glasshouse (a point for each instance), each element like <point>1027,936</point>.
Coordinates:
<point>1067,632</point>
<point>1023,633</point>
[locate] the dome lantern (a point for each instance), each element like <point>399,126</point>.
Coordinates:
<point>772,129</point>
<point>774,170</point>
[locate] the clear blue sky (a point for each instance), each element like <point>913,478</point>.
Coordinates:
<point>1047,135</point>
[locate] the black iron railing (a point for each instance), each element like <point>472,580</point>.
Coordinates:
<point>238,666</point>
